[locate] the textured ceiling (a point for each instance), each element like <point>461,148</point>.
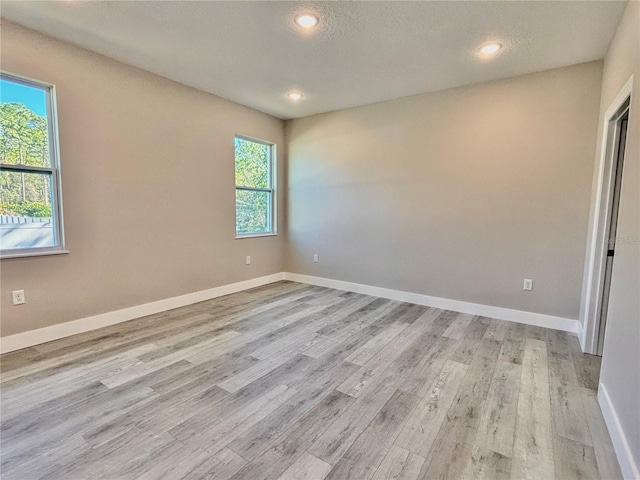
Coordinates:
<point>362,52</point>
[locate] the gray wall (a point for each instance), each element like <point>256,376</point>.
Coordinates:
<point>458,194</point>
<point>621,357</point>
<point>148,187</point>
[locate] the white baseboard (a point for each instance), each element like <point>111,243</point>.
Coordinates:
<point>54,332</point>
<point>628,466</point>
<point>519,316</point>
<point>582,338</point>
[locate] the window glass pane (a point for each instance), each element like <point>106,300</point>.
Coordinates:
<point>26,210</point>
<point>252,164</point>
<point>252,212</point>
<point>24,137</point>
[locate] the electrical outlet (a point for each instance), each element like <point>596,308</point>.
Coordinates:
<point>18,297</point>
<point>528,284</point>
<point>315,258</point>
<point>247,260</point>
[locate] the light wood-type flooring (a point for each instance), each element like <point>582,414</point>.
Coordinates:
<point>290,381</point>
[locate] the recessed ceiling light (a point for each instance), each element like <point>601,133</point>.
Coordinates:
<point>307,20</point>
<point>490,48</point>
<point>294,96</point>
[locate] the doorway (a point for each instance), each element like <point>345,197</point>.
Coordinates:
<point>620,130</point>
<point>604,222</point>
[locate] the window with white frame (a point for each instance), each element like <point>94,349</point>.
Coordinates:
<point>30,202</point>
<point>255,187</point>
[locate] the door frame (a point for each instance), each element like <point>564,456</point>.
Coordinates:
<point>599,221</point>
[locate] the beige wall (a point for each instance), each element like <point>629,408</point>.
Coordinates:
<point>458,194</point>
<point>621,357</point>
<point>148,188</point>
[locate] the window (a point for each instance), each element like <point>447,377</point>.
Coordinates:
<point>30,206</point>
<point>255,192</point>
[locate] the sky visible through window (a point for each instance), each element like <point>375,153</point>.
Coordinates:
<point>34,98</point>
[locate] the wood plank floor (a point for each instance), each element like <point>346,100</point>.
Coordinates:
<point>290,381</point>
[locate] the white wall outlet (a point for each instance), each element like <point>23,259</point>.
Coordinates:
<point>315,258</point>
<point>247,260</point>
<point>528,284</point>
<point>18,297</point>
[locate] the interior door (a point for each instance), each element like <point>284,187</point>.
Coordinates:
<point>621,137</point>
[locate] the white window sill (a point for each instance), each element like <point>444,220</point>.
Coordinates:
<point>256,235</point>
<point>33,254</point>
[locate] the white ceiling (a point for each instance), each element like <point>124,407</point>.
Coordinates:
<point>361,53</point>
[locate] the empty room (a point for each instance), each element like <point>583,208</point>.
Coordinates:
<point>352,240</point>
